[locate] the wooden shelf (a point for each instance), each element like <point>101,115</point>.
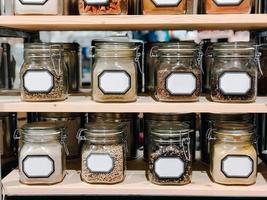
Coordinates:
<point>143,105</point>
<point>138,22</point>
<point>134,184</point>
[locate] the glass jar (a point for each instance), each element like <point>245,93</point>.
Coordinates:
<point>234,73</point>
<point>103,7</point>
<point>114,76</point>
<point>43,74</point>
<point>170,162</point>
<point>178,75</point>
<point>233,146</point>
<point>228,6</point>
<point>208,121</point>
<point>156,7</point>
<point>152,119</point>
<point>131,122</point>
<point>41,154</point>
<point>38,7</point>
<point>103,153</point>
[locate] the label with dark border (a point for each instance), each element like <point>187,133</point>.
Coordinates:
<point>114,82</point>
<point>228,2</point>
<point>235,83</point>
<point>169,167</point>
<point>181,83</point>
<point>96,2</point>
<point>38,81</point>
<point>100,163</point>
<point>33,2</point>
<point>38,166</point>
<point>237,166</point>
<point>166,3</point>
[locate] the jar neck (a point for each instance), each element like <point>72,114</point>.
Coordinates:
<point>41,139</point>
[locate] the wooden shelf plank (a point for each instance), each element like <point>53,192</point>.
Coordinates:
<point>143,104</point>
<point>138,22</point>
<point>134,184</point>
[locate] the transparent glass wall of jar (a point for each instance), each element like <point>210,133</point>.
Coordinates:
<point>43,74</point>
<point>233,154</point>
<point>41,155</point>
<point>234,74</point>
<point>164,7</point>
<point>170,162</point>
<point>114,76</point>
<point>178,75</point>
<point>38,7</point>
<point>228,6</point>
<point>103,7</point>
<point>103,158</point>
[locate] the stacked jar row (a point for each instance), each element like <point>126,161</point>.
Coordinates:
<point>124,7</point>
<point>169,149</point>
<point>174,72</point>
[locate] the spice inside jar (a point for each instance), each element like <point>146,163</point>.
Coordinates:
<point>103,7</point>
<point>41,156</point>
<point>178,75</point>
<point>103,153</point>
<point>233,146</point>
<point>164,7</point>
<point>228,6</point>
<point>170,162</point>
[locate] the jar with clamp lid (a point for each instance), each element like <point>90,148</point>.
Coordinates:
<point>41,154</point>
<point>234,74</point>
<point>114,76</point>
<point>43,74</point>
<point>178,75</point>
<point>170,161</point>
<point>103,153</point>
<point>233,146</point>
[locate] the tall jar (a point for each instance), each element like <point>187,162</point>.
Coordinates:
<point>38,7</point>
<point>233,154</point>
<point>178,75</point>
<point>43,74</point>
<point>103,7</point>
<point>103,153</point>
<point>228,6</point>
<point>164,7</point>
<point>131,122</point>
<point>234,73</point>
<point>170,162</point>
<point>114,76</point>
<point>41,154</point>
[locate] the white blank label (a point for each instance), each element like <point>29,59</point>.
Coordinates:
<point>228,2</point>
<point>169,167</point>
<point>235,83</point>
<point>100,163</point>
<point>29,2</point>
<point>38,166</point>
<point>237,166</point>
<point>166,2</point>
<point>38,81</point>
<point>181,83</point>
<point>96,2</point>
<point>114,82</point>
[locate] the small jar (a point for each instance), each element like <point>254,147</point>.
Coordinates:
<point>178,75</point>
<point>41,155</point>
<point>157,7</point>
<point>233,154</point>
<point>114,76</point>
<point>103,7</point>
<point>170,162</point>
<point>38,7</point>
<point>103,153</point>
<point>234,75</point>
<point>43,74</point>
<point>228,6</point>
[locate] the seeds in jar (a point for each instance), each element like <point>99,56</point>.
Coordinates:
<point>109,170</point>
